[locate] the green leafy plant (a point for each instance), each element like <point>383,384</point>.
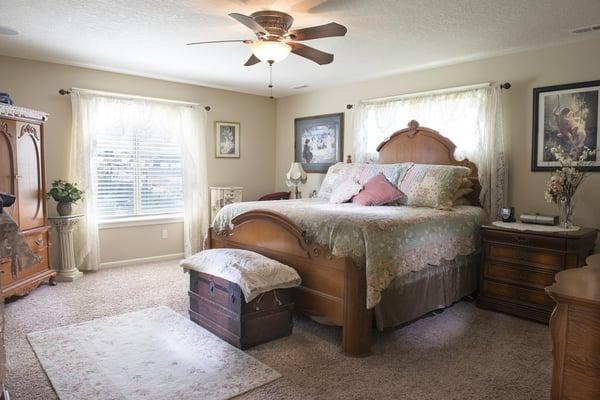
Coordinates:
<point>65,192</point>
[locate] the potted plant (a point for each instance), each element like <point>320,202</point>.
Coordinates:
<point>65,194</point>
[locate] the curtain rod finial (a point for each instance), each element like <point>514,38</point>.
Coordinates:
<point>505,85</point>
<point>63,92</point>
<point>207,108</point>
<point>349,106</point>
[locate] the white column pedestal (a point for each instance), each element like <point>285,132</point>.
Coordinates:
<point>67,270</point>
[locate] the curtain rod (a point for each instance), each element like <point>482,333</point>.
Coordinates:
<point>505,85</point>
<point>64,92</point>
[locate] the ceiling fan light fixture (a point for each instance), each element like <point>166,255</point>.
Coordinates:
<point>270,50</point>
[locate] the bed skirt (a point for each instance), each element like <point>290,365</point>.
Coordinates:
<point>415,294</point>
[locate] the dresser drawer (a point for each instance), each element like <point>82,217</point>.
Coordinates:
<point>504,291</point>
<point>37,240</point>
<point>543,259</point>
<point>526,239</point>
<point>42,265</point>
<point>518,274</point>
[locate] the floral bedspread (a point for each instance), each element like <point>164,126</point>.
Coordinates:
<point>389,241</point>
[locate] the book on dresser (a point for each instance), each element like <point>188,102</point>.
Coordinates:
<point>518,265</point>
<point>22,173</point>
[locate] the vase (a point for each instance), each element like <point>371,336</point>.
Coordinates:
<point>64,208</point>
<point>566,207</point>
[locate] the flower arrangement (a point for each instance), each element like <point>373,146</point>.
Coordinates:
<point>564,182</point>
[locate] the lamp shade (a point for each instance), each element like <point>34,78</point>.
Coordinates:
<point>296,175</point>
<point>270,50</point>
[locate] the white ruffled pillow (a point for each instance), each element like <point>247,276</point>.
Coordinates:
<point>345,191</point>
<point>252,272</point>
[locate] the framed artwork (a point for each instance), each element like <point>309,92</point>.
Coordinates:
<point>565,115</point>
<point>227,139</point>
<point>318,141</point>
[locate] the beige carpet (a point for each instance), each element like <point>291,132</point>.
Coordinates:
<point>462,353</point>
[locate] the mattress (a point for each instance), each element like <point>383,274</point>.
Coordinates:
<point>389,241</point>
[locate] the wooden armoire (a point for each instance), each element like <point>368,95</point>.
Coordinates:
<point>22,174</point>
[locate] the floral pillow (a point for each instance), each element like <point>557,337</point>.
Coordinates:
<point>433,186</point>
<point>334,173</point>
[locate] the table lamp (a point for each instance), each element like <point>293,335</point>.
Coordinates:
<point>296,176</point>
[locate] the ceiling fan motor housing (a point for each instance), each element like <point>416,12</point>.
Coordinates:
<point>276,23</point>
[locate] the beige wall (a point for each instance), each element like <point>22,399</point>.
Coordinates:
<point>36,84</point>
<point>543,67</point>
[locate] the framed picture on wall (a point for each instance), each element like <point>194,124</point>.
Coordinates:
<point>227,139</point>
<point>318,141</point>
<point>565,115</point>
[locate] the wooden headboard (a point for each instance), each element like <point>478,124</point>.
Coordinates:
<point>425,146</point>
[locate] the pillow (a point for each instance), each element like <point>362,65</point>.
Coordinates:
<point>377,192</point>
<point>432,185</point>
<point>361,173</point>
<point>334,173</point>
<point>462,201</point>
<point>466,183</point>
<point>344,191</point>
<point>462,192</point>
<point>253,272</point>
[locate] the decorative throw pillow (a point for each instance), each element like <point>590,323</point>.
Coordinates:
<point>334,173</point>
<point>432,185</point>
<point>462,192</point>
<point>377,192</point>
<point>344,191</point>
<point>462,201</point>
<point>361,173</point>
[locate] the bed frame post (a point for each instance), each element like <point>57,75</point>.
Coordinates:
<point>358,320</point>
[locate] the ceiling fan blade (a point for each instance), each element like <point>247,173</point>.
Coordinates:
<point>318,56</point>
<point>250,23</point>
<point>220,41</point>
<point>252,60</point>
<point>316,32</point>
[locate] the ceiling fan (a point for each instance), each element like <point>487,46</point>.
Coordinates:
<point>274,40</point>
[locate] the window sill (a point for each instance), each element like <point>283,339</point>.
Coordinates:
<point>140,221</point>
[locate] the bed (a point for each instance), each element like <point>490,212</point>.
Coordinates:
<point>359,264</point>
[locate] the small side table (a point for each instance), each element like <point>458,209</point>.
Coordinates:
<point>67,270</point>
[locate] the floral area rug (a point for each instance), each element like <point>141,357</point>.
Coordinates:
<point>149,354</point>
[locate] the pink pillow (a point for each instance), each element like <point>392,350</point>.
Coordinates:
<point>377,192</point>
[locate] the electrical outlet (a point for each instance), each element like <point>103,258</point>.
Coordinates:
<point>164,235</point>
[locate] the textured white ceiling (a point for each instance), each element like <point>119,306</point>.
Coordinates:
<point>148,37</point>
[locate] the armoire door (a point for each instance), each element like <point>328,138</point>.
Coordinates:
<point>29,176</point>
<point>8,161</point>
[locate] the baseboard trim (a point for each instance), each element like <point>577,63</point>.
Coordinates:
<point>142,260</point>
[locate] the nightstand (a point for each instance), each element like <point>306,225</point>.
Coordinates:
<point>518,265</point>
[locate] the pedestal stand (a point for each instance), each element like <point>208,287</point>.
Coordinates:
<point>67,270</point>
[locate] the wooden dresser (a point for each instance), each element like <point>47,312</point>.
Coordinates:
<point>518,265</point>
<point>575,328</point>
<point>22,173</point>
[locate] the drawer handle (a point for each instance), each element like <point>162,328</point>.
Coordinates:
<point>521,239</point>
<point>211,289</point>
<point>39,242</point>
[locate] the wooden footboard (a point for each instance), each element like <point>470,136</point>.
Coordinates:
<point>333,289</point>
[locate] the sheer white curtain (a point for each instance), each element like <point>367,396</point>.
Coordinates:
<point>94,115</point>
<point>471,118</point>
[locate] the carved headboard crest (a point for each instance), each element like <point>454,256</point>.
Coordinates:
<point>425,146</point>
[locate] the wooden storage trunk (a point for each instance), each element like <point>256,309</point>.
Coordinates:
<point>219,306</point>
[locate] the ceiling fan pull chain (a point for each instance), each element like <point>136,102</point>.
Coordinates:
<point>271,78</point>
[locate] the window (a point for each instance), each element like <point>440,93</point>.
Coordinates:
<point>138,171</point>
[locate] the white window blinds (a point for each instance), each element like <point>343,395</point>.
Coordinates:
<point>139,172</point>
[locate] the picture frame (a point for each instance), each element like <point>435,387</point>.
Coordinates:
<point>227,139</point>
<point>319,141</point>
<point>566,115</point>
